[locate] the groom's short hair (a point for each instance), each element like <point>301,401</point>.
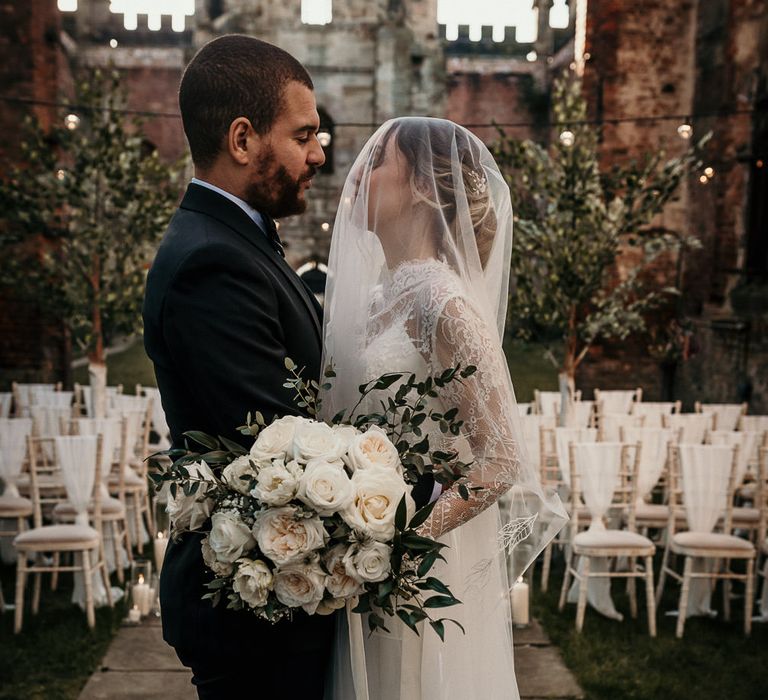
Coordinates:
<point>230,77</point>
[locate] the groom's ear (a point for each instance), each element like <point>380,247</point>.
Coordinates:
<point>243,142</point>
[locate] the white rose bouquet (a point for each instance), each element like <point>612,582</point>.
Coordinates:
<point>315,515</point>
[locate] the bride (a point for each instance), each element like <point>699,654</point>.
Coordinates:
<point>418,282</point>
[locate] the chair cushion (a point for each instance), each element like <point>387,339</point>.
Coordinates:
<point>109,506</point>
<point>15,506</point>
<point>44,481</point>
<point>710,540</point>
<point>613,539</point>
<point>582,511</point>
<point>131,479</point>
<point>651,511</point>
<point>58,536</point>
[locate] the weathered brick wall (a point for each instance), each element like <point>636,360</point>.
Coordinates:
<point>32,66</point>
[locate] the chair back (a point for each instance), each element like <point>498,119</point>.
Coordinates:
<point>609,427</point>
<point>110,430</point>
<point>748,443</point>
<point>603,476</point>
<point>652,464</point>
<point>6,399</point>
<point>563,437</point>
<point>726,415</point>
<point>617,401</point>
<point>49,421</point>
<point>762,495</point>
<point>694,426</point>
<point>46,484</point>
<point>702,480</point>
<point>13,450</point>
<point>79,459</point>
<point>755,423</point>
<point>581,415</point>
<point>532,426</point>
<point>654,410</point>
<point>27,394</point>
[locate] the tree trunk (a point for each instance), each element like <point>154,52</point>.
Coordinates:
<point>97,375</point>
<point>97,362</point>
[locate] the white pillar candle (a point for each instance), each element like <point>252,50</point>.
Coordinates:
<point>134,614</point>
<point>142,597</point>
<point>161,543</point>
<point>520,611</point>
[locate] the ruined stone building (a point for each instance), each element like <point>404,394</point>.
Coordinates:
<point>701,62</point>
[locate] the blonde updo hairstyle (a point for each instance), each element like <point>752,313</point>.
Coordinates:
<point>427,148</point>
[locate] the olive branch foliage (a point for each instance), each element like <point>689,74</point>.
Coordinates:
<point>404,416</point>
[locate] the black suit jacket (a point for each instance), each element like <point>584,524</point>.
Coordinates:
<point>222,311</point>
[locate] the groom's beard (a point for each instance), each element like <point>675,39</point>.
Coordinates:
<point>278,194</point>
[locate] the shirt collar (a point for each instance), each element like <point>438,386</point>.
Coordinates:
<point>254,215</point>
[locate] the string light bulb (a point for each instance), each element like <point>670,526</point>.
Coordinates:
<point>113,43</point>
<point>324,137</point>
<point>325,226</point>
<point>531,56</point>
<point>567,138</point>
<point>703,179</point>
<point>685,131</point>
<point>71,121</point>
<point>709,172</point>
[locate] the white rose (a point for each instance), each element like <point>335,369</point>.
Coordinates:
<point>346,434</point>
<point>373,449</point>
<point>253,582</point>
<point>341,583</point>
<point>314,439</point>
<point>276,439</point>
<point>329,605</point>
<point>376,493</point>
<point>190,512</point>
<point>277,483</point>
<point>285,536</point>
<point>230,537</point>
<point>209,557</point>
<point>235,471</point>
<point>301,584</point>
<point>325,486</point>
<point>369,561</point>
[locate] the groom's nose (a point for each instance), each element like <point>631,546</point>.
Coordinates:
<point>316,156</point>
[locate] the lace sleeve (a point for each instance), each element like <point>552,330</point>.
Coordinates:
<point>486,405</point>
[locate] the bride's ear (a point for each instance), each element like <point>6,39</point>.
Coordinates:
<point>242,141</point>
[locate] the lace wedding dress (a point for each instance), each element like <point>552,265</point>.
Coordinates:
<point>418,282</point>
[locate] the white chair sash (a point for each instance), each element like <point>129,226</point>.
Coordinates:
<point>6,397</point>
<point>563,438</point>
<point>13,449</point>
<point>654,444</point>
<point>160,424</point>
<point>76,457</point>
<point>653,411</point>
<point>616,401</point>
<point>54,399</point>
<point>532,425</point>
<point>523,408</point>
<point>580,414</point>
<point>612,423</point>
<point>109,429</point>
<point>757,424</point>
<point>727,414</point>
<point>549,403</point>
<point>705,471</point>
<point>694,426</point>
<point>747,442</point>
<point>47,420</point>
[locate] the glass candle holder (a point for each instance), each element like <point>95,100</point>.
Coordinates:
<point>140,595</point>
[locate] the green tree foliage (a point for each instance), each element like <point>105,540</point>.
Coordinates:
<point>84,214</point>
<point>573,222</point>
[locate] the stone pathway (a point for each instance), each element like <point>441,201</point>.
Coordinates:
<point>139,664</point>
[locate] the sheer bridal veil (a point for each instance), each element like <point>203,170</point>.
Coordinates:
<point>418,279</point>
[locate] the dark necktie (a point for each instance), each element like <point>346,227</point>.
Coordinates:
<point>273,236</point>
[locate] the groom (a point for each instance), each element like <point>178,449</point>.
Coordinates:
<point>222,311</point>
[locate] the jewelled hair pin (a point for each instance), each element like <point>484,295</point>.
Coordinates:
<point>478,183</point>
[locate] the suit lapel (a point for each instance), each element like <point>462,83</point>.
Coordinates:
<point>205,201</point>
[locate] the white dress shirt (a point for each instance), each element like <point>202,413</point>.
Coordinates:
<point>247,208</point>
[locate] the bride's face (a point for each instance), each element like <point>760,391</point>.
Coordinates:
<point>389,197</point>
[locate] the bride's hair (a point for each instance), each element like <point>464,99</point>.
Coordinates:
<point>428,148</point>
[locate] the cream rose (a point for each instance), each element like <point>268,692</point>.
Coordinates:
<point>190,512</point>
<point>235,471</point>
<point>277,483</point>
<point>373,449</point>
<point>301,584</point>
<point>327,606</point>
<point>369,561</point>
<point>341,583</point>
<point>253,582</point>
<point>325,486</point>
<point>284,536</point>
<point>230,537</point>
<point>314,439</point>
<point>346,434</point>
<point>276,440</point>
<point>376,493</point>
<point>219,568</point>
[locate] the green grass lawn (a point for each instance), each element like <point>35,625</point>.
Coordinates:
<point>619,661</point>
<point>55,653</point>
<point>129,368</point>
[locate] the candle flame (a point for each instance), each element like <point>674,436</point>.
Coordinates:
<point>160,535</point>
<point>141,578</point>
